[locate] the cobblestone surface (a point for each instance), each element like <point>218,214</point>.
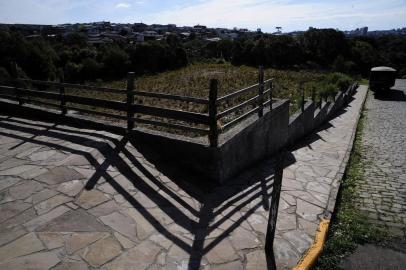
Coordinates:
<point>83,199</point>
<point>383,190</point>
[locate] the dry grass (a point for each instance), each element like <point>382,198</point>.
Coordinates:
<point>194,81</point>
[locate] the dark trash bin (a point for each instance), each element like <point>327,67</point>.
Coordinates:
<point>382,78</point>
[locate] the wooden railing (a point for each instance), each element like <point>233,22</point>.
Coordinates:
<point>129,109</point>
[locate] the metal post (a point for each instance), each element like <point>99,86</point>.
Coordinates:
<point>261,91</point>
<point>273,210</point>
<point>62,92</point>
<point>270,95</point>
<point>302,105</point>
<point>130,101</point>
<point>214,131</point>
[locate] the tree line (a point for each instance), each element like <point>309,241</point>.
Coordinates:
<point>321,49</point>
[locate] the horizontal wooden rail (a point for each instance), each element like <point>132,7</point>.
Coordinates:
<point>40,102</point>
<point>237,93</point>
<point>40,94</point>
<point>172,97</point>
<point>240,92</point>
<point>240,118</point>
<point>171,125</point>
<point>109,104</point>
<point>77,86</point>
<point>8,97</point>
<point>250,101</point>
<point>242,105</point>
<point>197,118</point>
<point>115,116</point>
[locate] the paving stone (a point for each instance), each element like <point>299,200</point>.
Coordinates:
<point>59,175</point>
<point>18,170</point>
<point>71,188</point>
<point>142,256</point>
<point>307,210</point>
<point>72,265</point>
<point>8,181</point>
<point>308,227</point>
<point>258,223</point>
<point>42,155</point>
<point>107,188</point>
<point>221,253</point>
<point>77,241</point>
<point>38,261</point>
<point>105,209</point>
<point>72,221</point>
<point>177,258</point>
<point>11,163</point>
<point>10,234</point>
<point>40,220</point>
<point>143,227</point>
<point>90,198</point>
<point>24,245</point>
<point>244,239</point>
<point>125,242</point>
<point>43,195</point>
<point>300,240</point>
<point>11,209</point>
<point>51,203</point>
<point>51,240</point>
<point>286,256</point>
<point>236,265</point>
<point>286,222</point>
<point>101,252</point>
<point>122,224</point>
<point>161,240</point>
<point>24,190</point>
<point>19,219</point>
<point>256,260</point>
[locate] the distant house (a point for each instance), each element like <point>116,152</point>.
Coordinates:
<point>114,36</point>
<point>151,35</point>
<point>99,40</point>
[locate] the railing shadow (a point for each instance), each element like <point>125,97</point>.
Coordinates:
<point>219,203</point>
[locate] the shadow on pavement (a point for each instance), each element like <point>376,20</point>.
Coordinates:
<point>219,204</point>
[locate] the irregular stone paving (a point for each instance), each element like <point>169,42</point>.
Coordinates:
<point>83,199</point>
<point>383,187</point>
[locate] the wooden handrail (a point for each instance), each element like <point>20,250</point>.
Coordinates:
<point>172,97</point>
<point>197,118</point>
<point>171,125</point>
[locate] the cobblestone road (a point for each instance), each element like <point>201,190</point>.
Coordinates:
<point>133,215</point>
<point>383,190</point>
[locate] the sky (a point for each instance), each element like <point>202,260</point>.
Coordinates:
<point>252,14</point>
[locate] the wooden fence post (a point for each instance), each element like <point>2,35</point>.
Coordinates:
<point>302,105</point>
<point>130,101</point>
<point>273,210</point>
<point>313,95</point>
<point>14,73</point>
<point>62,92</point>
<point>270,95</point>
<point>214,131</point>
<point>261,91</point>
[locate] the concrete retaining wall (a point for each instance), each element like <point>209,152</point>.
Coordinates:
<point>249,142</point>
<point>301,123</point>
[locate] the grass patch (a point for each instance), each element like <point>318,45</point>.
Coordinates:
<point>194,79</point>
<point>349,227</point>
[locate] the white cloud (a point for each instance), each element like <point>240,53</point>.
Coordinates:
<point>290,14</point>
<point>123,5</point>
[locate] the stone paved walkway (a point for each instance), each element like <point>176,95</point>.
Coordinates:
<point>83,199</point>
<point>383,190</point>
